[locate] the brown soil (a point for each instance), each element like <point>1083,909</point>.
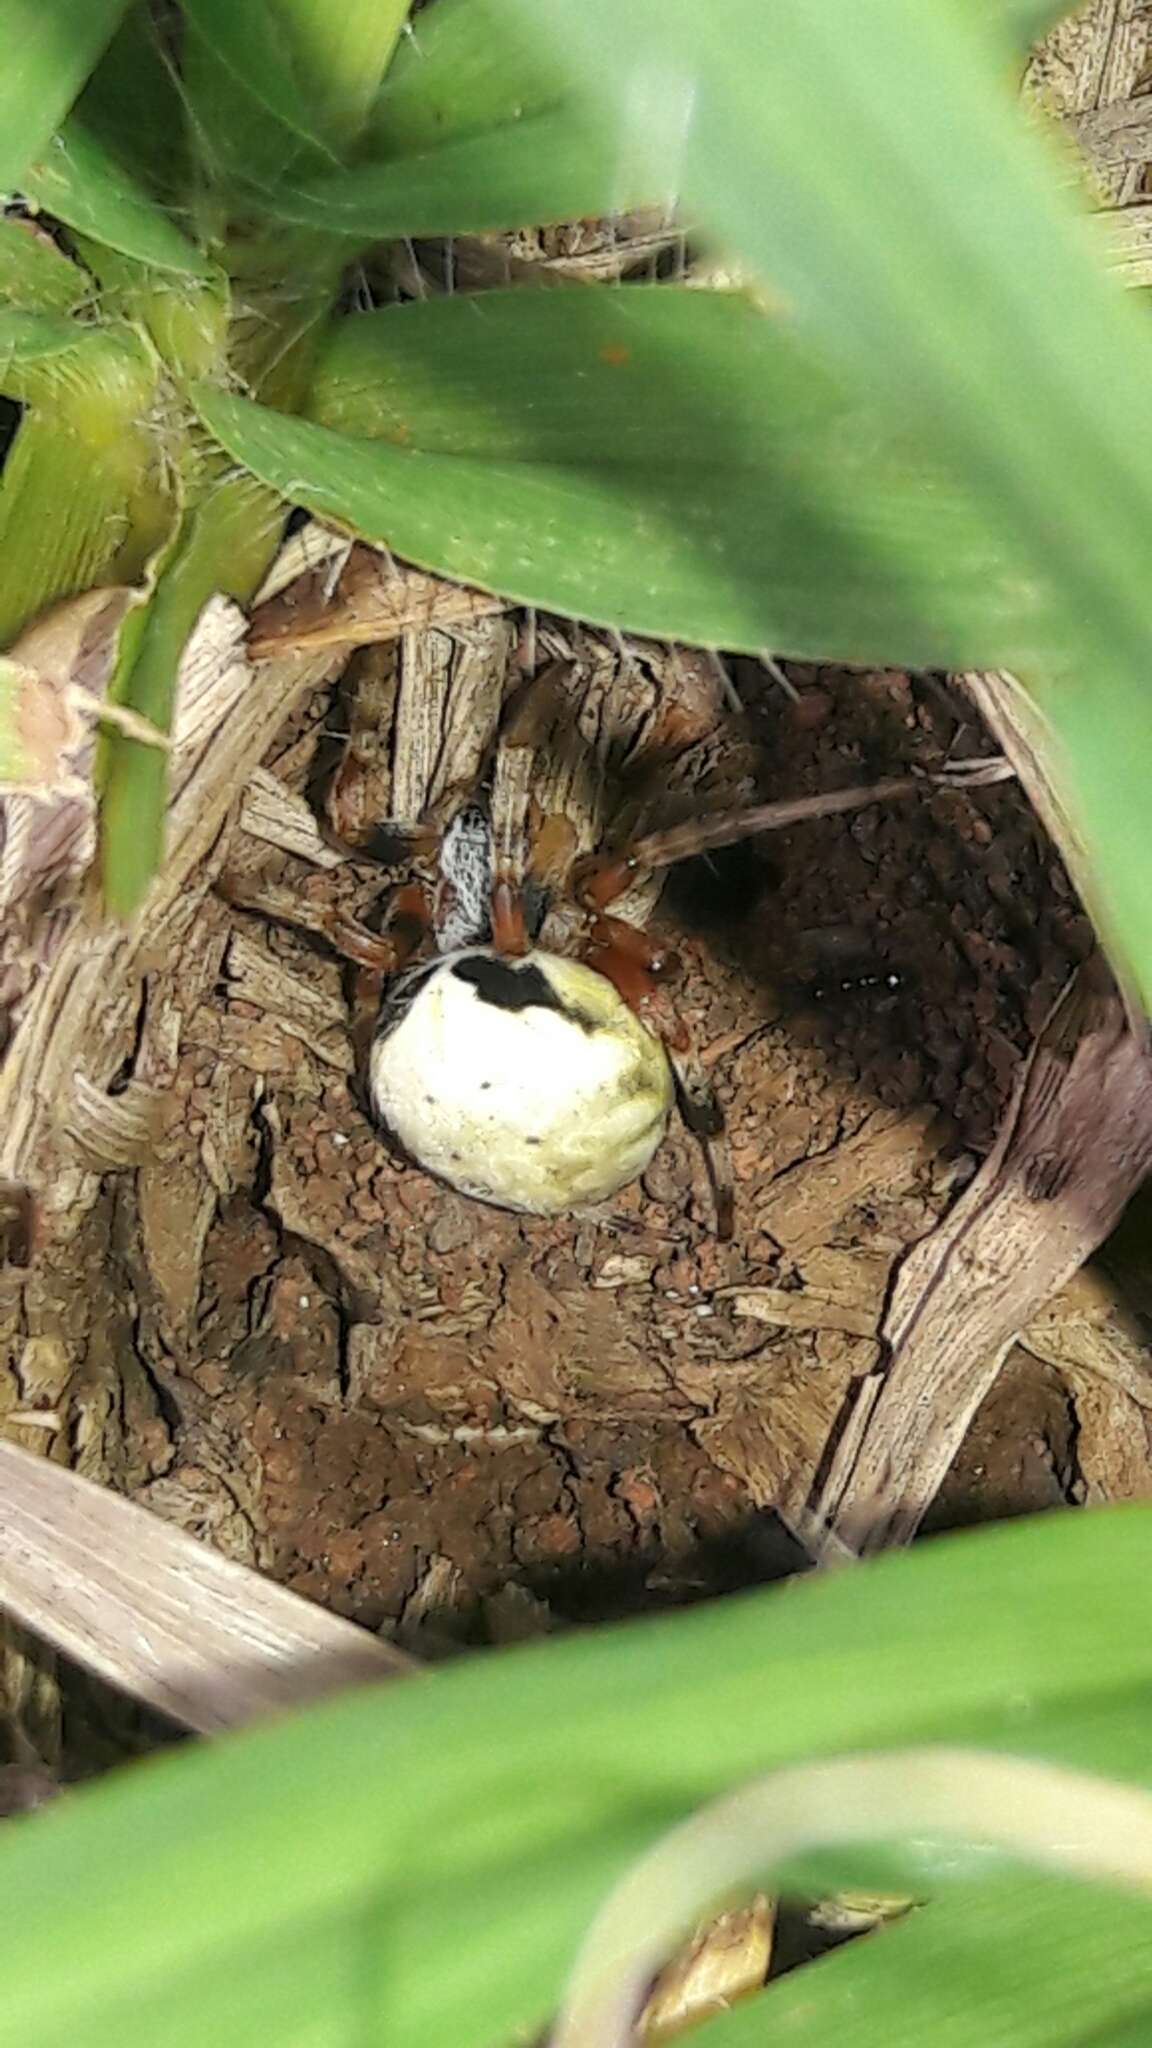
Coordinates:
<point>458,1425</point>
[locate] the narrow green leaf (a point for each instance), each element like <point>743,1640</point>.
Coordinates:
<point>344,56</point>
<point>225,544</point>
<point>417,1865</point>
<point>666,461</point>
<point>81,504</point>
<point>47,359</point>
<point>49,49</point>
<point>82,490</point>
<point>34,274</point>
<point>32,338</point>
<point>548,167</point>
<point>81,182</point>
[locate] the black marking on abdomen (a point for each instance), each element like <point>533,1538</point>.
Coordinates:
<point>515,985</point>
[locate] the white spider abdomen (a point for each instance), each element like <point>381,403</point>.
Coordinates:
<point>526,1083</point>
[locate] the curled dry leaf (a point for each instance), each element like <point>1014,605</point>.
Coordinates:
<point>726,1959</point>
<point>52,683</point>
<point>41,732</point>
<point>73,991</point>
<point>51,686</point>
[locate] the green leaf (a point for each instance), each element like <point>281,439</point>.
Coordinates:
<point>28,339</point>
<point>988,1962</point>
<point>282,84</point>
<point>476,131</point>
<point>49,49</point>
<point>416,1865</point>
<point>34,273</point>
<point>472,67</point>
<point>966,306</point>
<point>466,67</point>
<point>80,181</point>
<point>344,55</point>
<point>662,460</point>
<point>253,46</point>
<point>83,497</point>
<point>548,167</point>
<point>134,106</point>
<point>225,544</point>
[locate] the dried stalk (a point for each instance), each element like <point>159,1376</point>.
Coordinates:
<point>1074,1148</point>
<point>162,1616</point>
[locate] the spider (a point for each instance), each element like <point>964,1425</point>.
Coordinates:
<point>514,1031</point>
<point>514,1028</point>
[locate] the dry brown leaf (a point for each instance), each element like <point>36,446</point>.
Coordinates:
<point>805,1203</point>
<point>370,597</point>
<point>725,1960</point>
<point>1073,1149</point>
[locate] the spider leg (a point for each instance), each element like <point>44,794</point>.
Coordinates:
<point>636,964</point>
<point>509,924</point>
<point>380,952</point>
<point>702,1115</point>
<point>408,923</point>
<point>603,878</point>
<point>639,965</point>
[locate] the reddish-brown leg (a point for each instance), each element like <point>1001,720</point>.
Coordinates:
<point>703,1116</point>
<point>598,881</point>
<point>509,931</point>
<point>638,966</point>
<point>376,956</point>
<point>408,924</point>
<point>382,952</point>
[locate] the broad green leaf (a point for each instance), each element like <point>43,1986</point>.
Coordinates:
<point>470,67</point>
<point>49,49</point>
<point>936,259</point>
<point>1009,1961</point>
<point>282,84</point>
<point>662,460</point>
<point>417,1865</point>
<point>82,183</point>
<point>134,106</point>
<point>465,67</point>
<point>254,46</point>
<point>548,167</point>
<point>34,274</point>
